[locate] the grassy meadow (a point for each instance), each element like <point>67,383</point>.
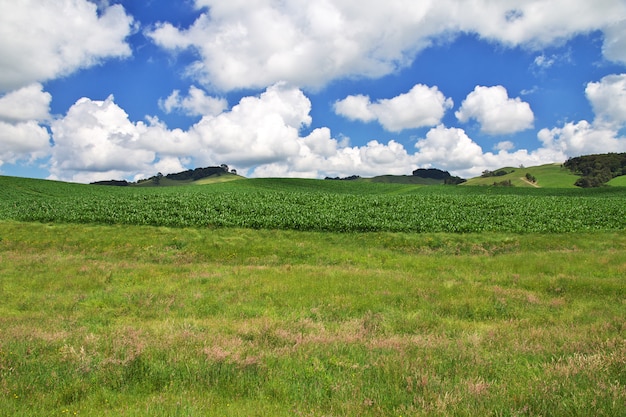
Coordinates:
<point>121,315</point>
<point>549,175</point>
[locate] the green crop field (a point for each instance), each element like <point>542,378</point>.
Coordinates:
<point>315,205</point>
<point>290,297</point>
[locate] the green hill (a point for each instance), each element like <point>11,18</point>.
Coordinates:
<point>206,175</point>
<point>170,182</point>
<point>545,176</point>
<point>214,179</point>
<point>618,181</point>
<point>548,176</point>
<point>403,179</point>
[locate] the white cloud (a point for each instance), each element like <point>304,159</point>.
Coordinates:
<point>263,136</point>
<point>43,40</point>
<point>372,159</point>
<point>448,148</point>
<point>243,45</point>
<point>536,23</point>
<point>504,146</point>
<point>27,103</point>
<point>495,111</point>
<point>260,136</point>
<point>614,47</point>
<point>23,141</point>
<point>608,100</point>
<point>258,130</point>
<point>96,141</point>
<point>196,103</point>
<point>21,135</point>
<point>355,107</point>
<point>530,91</point>
<point>543,61</point>
<point>574,139</point>
<point>421,106</point>
<point>451,149</point>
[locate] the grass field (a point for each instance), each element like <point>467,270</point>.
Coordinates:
<point>618,181</point>
<point>550,176</point>
<point>107,317</point>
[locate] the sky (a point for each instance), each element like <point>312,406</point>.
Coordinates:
<point>99,90</point>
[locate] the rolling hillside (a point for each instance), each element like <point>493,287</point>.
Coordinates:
<point>547,176</point>
<point>403,179</point>
<point>618,182</point>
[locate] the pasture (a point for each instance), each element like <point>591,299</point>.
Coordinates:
<point>230,299</point>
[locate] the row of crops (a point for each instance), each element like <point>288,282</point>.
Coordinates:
<point>302,206</point>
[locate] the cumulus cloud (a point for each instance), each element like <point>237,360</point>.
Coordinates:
<point>55,38</point>
<point>258,130</point>
<point>608,100</point>
<point>449,147</point>
<point>23,141</point>
<point>442,147</point>
<point>495,111</point>
<point>268,135</point>
<point>574,139</point>
<point>260,136</point>
<point>312,43</point>
<point>452,149</point>
<point>22,137</point>
<point>355,107</point>
<point>373,158</point>
<point>27,103</point>
<point>196,103</point>
<point>421,106</point>
<point>97,141</point>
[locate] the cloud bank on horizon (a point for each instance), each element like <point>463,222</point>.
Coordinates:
<point>94,90</point>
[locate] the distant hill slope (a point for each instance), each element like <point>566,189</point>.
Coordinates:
<point>618,181</point>
<point>403,179</point>
<point>191,176</point>
<point>549,176</point>
<point>169,182</point>
<point>421,176</point>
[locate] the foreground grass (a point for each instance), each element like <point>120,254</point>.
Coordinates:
<point>128,320</point>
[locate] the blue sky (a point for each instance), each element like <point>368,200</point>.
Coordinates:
<point>93,90</point>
